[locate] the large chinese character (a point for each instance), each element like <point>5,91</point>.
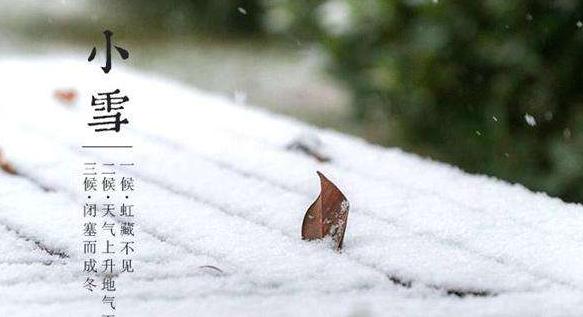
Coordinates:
<point>108,102</point>
<point>123,53</point>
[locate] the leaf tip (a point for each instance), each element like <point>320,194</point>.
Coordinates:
<point>327,215</point>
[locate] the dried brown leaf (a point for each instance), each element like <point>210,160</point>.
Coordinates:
<point>66,96</point>
<point>5,165</point>
<point>328,214</point>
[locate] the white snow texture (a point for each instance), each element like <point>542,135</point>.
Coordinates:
<point>217,186</point>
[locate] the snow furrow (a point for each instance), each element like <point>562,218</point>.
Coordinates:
<point>14,249</point>
<point>152,249</point>
<point>246,166</point>
<point>320,269</point>
<point>24,189</point>
<point>400,267</point>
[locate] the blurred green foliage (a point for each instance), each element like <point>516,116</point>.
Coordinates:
<point>139,20</point>
<point>493,86</point>
<point>225,17</point>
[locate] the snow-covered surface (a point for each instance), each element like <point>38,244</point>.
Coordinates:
<point>218,186</point>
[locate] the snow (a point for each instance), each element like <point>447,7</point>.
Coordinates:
<point>218,186</point>
<point>530,120</point>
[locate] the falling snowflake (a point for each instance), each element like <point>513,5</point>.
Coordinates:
<point>529,120</point>
<point>242,10</point>
<point>579,24</point>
